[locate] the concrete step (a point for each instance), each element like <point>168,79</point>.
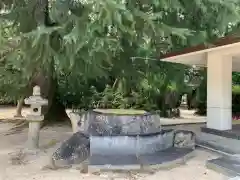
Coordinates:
<point>222,145</point>
<point>235,178</point>
<point>229,163</point>
<point>225,165</point>
<point>162,159</point>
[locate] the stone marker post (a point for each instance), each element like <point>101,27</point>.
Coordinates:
<point>35,116</point>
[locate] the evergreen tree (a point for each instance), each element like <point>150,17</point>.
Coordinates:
<point>88,39</point>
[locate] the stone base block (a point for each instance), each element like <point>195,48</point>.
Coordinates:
<point>131,145</point>
<point>184,139</point>
<point>225,165</point>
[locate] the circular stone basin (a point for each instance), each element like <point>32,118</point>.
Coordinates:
<point>131,132</point>
<point>131,145</point>
<point>122,122</point>
<point>123,138</point>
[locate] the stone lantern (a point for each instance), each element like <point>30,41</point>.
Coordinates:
<point>35,116</point>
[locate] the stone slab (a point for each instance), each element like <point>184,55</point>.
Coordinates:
<point>235,178</point>
<point>215,147</point>
<point>227,134</point>
<point>114,124</point>
<point>157,158</point>
<point>184,138</point>
<point>225,165</point>
<point>111,160</point>
<point>181,121</point>
<point>218,143</point>
<point>164,156</point>
<point>34,118</point>
<point>107,145</point>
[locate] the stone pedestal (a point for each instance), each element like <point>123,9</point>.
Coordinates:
<point>33,134</point>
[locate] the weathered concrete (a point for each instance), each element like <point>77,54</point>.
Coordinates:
<point>122,124</point>
<point>217,143</point>
<point>129,145</point>
<point>225,165</point>
<point>166,158</point>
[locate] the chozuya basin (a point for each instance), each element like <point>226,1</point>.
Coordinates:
<point>121,138</point>
<point>126,132</point>
<point>122,122</point>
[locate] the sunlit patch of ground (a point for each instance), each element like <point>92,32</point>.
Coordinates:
<point>32,169</point>
<point>18,168</point>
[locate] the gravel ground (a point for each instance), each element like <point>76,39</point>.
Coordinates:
<point>31,167</point>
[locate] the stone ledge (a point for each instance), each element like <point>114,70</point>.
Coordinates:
<point>108,145</point>
<point>167,159</point>
<point>156,158</point>
<point>225,166</point>
<point>216,148</point>
<point>226,134</point>
<point>218,144</point>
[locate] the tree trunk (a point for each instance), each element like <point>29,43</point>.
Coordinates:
<point>19,107</point>
<point>56,113</point>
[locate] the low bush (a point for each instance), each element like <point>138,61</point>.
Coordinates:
<point>201,99</point>
<point>236,100</point>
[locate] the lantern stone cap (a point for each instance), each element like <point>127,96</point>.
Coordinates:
<point>36,98</point>
<point>36,91</point>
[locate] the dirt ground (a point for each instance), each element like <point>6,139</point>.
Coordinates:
<point>31,167</point>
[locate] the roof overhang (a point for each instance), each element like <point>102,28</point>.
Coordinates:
<point>198,55</point>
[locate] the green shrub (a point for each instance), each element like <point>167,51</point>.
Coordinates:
<point>202,100</point>
<point>6,100</point>
<point>236,99</point>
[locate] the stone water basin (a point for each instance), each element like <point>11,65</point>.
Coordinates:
<point>123,122</point>
<point>128,132</point>
<point>126,137</point>
<point>131,144</point>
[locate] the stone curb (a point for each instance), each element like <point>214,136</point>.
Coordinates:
<point>165,166</point>
<point>220,169</point>
<point>215,147</point>
<point>212,149</point>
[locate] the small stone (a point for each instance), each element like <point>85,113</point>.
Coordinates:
<point>184,139</point>
<point>96,173</point>
<point>84,170</point>
<point>104,175</point>
<point>75,150</point>
<point>18,158</point>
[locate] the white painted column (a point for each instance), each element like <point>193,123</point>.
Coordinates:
<point>219,91</point>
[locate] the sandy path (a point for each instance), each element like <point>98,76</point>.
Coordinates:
<point>32,170</point>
